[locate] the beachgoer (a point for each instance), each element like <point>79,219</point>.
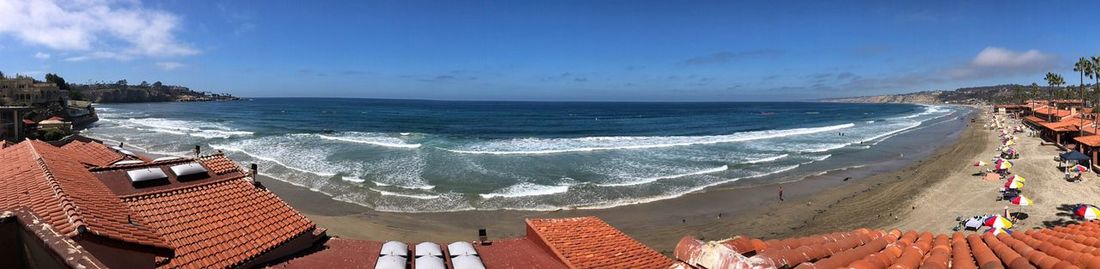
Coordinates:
<point>780,193</point>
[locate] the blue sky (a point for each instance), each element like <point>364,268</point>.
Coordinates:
<point>553,50</point>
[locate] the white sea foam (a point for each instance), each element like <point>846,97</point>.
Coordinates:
<point>525,189</point>
<point>768,159</point>
<point>186,128</point>
<point>420,187</point>
<point>270,159</point>
<point>353,179</point>
<point>376,139</point>
<point>653,179</point>
<point>414,196</point>
<point>631,201</point>
<point>564,145</point>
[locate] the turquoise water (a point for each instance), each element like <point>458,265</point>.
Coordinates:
<point>404,155</point>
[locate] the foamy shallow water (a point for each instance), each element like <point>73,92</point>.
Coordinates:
<point>421,156</point>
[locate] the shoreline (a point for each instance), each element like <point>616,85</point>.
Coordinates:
<point>832,201</point>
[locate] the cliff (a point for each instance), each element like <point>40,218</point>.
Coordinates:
<point>156,92</point>
<point>1009,93</point>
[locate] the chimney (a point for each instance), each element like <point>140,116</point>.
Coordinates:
<point>483,237</point>
<point>121,145</point>
<point>198,150</point>
<point>252,171</point>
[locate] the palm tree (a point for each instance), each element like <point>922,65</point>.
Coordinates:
<point>1053,80</point>
<point>1083,65</point>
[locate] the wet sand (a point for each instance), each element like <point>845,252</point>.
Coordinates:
<point>824,203</point>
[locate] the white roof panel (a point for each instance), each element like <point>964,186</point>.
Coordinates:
<point>188,169</point>
<point>430,262</point>
<point>390,262</point>
<point>467,262</point>
<point>395,248</point>
<point>428,249</point>
<point>146,174</point>
<point>461,248</point>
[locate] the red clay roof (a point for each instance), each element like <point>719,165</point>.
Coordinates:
<point>588,242</point>
<point>1072,246</point>
<point>92,153</point>
<point>219,164</point>
<point>1090,140</point>
<point>57,188</point>
<point>337,253</point>
<point>221,224</point>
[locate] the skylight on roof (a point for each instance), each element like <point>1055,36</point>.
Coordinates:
<point>125,162</point>
<point>167,158</point>
<point>188,169</point>
<point>146,175</point>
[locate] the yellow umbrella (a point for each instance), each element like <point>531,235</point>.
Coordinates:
<point>1014,185</point>
<point>1021,200</point>
<point>998,221</point>
<point>1010,142</point>
<point>1016,178</point>
<point>1003,165</point>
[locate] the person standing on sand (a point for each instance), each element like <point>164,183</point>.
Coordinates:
<point>780,193</point>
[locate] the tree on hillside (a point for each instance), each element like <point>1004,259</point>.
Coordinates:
<point>58,80</point>
<point>157,85</point>
<point>1,75</point>
<point>1054,80</point>
<point>122,83</point>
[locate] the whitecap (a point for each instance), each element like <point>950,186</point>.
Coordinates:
<point>564,145</point>
<point>414,196</point>
<point>370,139</point>
<point>525,189</point>
<point>654,179</point>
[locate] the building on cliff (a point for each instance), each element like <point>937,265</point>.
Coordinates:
<point>23,91</point>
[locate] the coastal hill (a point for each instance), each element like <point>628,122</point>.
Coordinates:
<point>985,94</point>
<point>123,92</point>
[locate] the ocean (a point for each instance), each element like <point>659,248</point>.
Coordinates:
<point>436,156</point>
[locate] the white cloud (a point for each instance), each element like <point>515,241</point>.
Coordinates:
<point>1000,57</point>
<point>997,62</point>
<point>169,65</point>
<point>42,55</point>
<point>99,29</point>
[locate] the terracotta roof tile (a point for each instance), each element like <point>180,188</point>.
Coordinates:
<point>220,165</point>
<point>92,153</point>
<point>60,190</point>
<point>220,224</point>
<point>588,242</point>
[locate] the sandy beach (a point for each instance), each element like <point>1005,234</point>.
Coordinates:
<point>925,195</point>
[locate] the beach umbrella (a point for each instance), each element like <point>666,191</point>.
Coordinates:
<point>1014,184</point>
<point>1080,168</point>
<point>1002,165</point>
<point>980,163</point>
<point>1021,200</point>
<point>1016,178</point>
<point>997,231</point>
<point>998,221</point>
<point>1087,212</point>
<point>1010,142</point>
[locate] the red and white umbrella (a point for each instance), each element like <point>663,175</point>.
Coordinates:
<point>998,221</point>
<point>1087,212</point>
<point>997,231</point>
<point>1016,178</point>
<point>1014,185</point>
<point>1002,165</point>
<point>980,163</point>
<point>1021,200</point>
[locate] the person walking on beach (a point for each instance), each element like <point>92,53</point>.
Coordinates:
<point>780,193</point>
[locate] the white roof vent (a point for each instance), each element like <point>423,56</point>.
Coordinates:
<point>146,175</point>
<point>390,262</point>
<point>395,248</point>
<point>430,262</point>
<point>188,169</point>
<point>127,152</point>
<point>461,249</point>
<point>467,262</point>
<point>428,249</point>
<point>168,158</point>
<point>125,162</point>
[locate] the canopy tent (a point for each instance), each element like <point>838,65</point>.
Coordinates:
<point>1074,156</point>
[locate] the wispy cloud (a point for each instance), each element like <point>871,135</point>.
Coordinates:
<point>41,55</point>
<point>94,29</point>
<point>170,65</point>
<point>994,61</point>
<point>728,57</point>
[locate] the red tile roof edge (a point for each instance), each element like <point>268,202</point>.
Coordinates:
<point>539,239</point>
<point>66,250</point>
<point>71,210</point>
